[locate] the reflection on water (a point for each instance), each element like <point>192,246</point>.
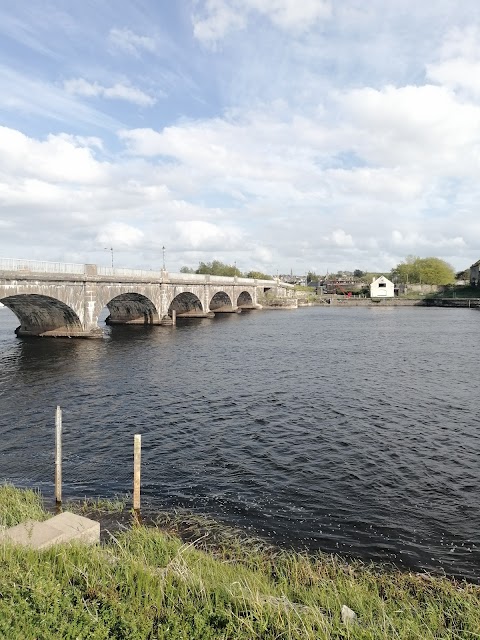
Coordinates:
<point>350,430</point>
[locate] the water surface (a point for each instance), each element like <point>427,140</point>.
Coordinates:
<point>348,430</point>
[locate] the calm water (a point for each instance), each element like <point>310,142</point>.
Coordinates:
<point>349,430</point>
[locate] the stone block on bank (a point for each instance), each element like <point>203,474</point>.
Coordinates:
<point>65,527</point>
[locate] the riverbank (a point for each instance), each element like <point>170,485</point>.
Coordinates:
<point>146,582</point>
<point>470,303</point>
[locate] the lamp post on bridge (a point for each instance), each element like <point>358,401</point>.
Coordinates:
<point>111,251</point>
<point>163,254</point>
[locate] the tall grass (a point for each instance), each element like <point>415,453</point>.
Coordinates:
<point>18,505</point>
<point>146,583</point>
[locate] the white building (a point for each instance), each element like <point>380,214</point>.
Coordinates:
<point>382,288</point>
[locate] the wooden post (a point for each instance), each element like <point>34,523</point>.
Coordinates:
<point>58,456</point>
<point>137,455</point>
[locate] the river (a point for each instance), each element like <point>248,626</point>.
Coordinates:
<point>354,431</point>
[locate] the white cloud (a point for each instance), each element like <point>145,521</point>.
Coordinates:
<point>219,17</point>
<point>118,91</point>
<point>458,64</point>
<point>120,236</point>
<point>129,42</point>
<point>198,234</point>
<point>292,14</point>
<point>20,94</point>
<point>341,239</point>
<point>426,126</point>
<point>218,21</point>
<point>58,159</point>
<point>416,241</point>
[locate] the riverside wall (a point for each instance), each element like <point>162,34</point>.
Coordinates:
<point>470,303</point>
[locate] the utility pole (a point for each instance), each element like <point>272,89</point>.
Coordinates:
<point>111,251</point>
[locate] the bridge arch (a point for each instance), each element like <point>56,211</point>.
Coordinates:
<point>132,308</point>
<point>42,315</point>
<point>221,301</point>
<point>186,304</point>
<point>245,300</point>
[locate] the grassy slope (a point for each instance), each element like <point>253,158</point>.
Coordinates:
<point>148,584</point>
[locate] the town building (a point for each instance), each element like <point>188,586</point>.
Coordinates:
<point>474,274</point>
<point>382,287</point>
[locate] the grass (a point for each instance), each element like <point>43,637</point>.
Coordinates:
<point>18,505</point>
<point>146,583</point>
<point>118,504</point>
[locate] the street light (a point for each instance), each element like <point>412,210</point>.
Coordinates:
<point>163,253</point>
<point>111,250</point>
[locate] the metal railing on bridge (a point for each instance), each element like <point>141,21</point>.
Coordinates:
<point>129,273</point>
<point>40,266</point>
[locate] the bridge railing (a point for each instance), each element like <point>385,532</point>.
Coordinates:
<point>37,266</point>
<point>129,273</point>
<point>187,277</point>
<point>40,266</point>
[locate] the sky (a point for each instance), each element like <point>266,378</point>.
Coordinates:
<point>279,135</point>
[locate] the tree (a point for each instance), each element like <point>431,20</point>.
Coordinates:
<point>187,270</point>
<point>217,268</point>
<point>358,273</point>
<point>415,270</point>
<point>258,275</point>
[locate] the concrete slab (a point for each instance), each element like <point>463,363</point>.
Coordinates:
<point>75,527</point>
<point>65,527</point>
<point>38,535</point>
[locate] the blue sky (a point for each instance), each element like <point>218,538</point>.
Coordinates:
<point>277,134</point>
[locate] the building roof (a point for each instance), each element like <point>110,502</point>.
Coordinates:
<point>476,264</point>
<point>381,279</point>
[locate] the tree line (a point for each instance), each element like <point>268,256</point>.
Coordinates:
<point>218,268</point>
<point>412,270</point>
<point>415,270</point>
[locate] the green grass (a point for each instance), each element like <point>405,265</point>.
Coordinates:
<point>97,505</point>
<point>18,505</point>
<point>147,583</point>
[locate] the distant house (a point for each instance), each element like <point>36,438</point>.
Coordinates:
<point>382,288</point>
<point>474,275</point>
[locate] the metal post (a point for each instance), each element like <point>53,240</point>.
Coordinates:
<point>111,251</point>
<point>137,455</point>
<point>58,456</point>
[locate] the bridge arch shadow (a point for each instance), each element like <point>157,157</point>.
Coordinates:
<point>221,301</point>
<point>245,301</point>
<point>43,315</point>
<point>131,308</point>
<point>186,304</point>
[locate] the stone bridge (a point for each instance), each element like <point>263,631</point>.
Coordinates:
<point>66,300</point>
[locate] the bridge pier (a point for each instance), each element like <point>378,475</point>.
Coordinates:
<point>22,332</point>
<point>196,314</point>
<point>228,310</point>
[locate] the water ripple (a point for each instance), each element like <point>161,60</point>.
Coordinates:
<point>349,430</point>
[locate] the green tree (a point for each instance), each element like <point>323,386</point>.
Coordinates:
<point>258,275</point>
<point>187,270</point>
<point>217,268</point>
<point>358,273</point>
<point>415,270</point>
